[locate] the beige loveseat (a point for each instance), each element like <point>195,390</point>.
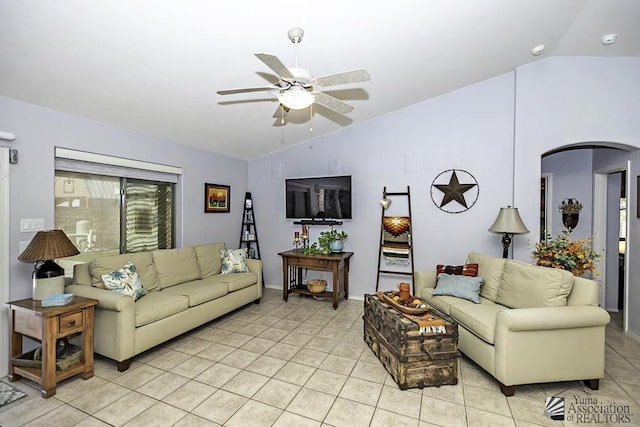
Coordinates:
<point>185,288</point>
<point>532,325</point>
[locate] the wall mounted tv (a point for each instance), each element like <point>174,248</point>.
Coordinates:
<point>327,197</point>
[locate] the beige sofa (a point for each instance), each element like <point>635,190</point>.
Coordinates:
<point>533,324</point>
<point>186,290</point>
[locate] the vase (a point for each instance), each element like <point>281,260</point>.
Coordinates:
<point>570,220</point>
<point>336,246</point>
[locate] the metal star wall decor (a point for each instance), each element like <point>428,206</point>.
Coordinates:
<point>452,196</point>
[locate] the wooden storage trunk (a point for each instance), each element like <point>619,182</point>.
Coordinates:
<point>412,359</point>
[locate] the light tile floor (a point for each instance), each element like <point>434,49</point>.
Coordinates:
<point>301,363</point>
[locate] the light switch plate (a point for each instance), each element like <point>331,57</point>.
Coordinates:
<point>31,225</point>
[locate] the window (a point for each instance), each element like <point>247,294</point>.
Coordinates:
<point>114,214</point>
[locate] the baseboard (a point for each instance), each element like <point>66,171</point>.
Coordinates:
<point>633,336</point>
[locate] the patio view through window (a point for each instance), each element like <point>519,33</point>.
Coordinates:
<point>114,215</point>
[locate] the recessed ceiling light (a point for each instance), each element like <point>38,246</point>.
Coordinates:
<point>538,50</point>
<point>608,39</point>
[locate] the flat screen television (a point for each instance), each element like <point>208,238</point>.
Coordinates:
<point>325,197</point>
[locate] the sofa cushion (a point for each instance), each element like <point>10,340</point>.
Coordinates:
<point>526,285</point>
<point>143,262</point>
<point>176,266</point>
<point>209,258</point>
<point>490,268</point>
<point>459,286</point>
<point>199,291</point>
<point>480,319</point>
<point>239,281</point>
<point>441,303</point>
<point>159,305</point>
<point>234,261</point>
<point>125,281</point>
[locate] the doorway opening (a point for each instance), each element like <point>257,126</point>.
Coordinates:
<point>597,176</point>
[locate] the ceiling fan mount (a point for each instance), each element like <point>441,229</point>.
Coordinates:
<point>295,34</point>
<point>295,88</point>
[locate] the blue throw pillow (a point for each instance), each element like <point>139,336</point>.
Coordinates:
<point>459,286</point>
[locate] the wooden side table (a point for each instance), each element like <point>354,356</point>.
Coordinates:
<point>47,324</point>
<point>294,261</point>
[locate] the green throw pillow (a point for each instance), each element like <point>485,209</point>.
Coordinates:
<point>125,281</point>
<point>234,261</point>
<point>459,286</point>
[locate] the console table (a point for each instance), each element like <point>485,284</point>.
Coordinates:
<point>294,261</point>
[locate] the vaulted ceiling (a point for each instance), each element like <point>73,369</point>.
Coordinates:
<point>154,66</point>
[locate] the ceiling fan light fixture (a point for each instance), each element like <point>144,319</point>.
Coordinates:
<point>296,98</point>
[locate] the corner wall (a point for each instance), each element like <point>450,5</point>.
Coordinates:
<point>40,129</point>
<point>560,101</point>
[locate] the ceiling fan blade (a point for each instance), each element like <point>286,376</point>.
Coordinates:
<point>276,65</point>
<point>353,76</point>
<point>332,103</point>
<point>246,89</point>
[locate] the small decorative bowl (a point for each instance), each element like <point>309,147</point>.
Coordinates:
<point>316,286</point>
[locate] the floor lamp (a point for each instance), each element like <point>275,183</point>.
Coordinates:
<point>508,223</point>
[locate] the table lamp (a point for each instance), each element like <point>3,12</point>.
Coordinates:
<point>508,222</point>
<point>48,277</point>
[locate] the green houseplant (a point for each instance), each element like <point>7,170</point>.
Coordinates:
<point>328,241</point>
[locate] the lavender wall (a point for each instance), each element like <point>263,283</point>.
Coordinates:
<point>572,178</point>
<point>39,130</point>
<point>559,102</point>
<point>566,101</point>
<point>468,129</point>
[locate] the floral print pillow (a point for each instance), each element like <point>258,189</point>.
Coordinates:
<point>125,281</point>
<point>234,261</point>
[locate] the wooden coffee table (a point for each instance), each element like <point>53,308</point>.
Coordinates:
<point>413,357</point>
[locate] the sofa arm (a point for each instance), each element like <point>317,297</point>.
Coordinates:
<point>107,299</point>
<point>255,266</point>
<point>548,318</point>
<point>549,344</point>
<point>424,280</point>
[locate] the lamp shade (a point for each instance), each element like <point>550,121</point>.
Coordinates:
<point>47,245</point>
<point>296,98</point>
<point>509,221</point>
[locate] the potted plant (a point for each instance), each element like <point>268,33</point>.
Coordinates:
<point>575,256</point>
<point>328,241</point>
<point>334,239</point>
<point>570,210</point>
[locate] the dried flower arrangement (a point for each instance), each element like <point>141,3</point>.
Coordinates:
<point>576,256</point>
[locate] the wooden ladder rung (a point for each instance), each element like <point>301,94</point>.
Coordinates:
<point>402,273</point>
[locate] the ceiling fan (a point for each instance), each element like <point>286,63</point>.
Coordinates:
<point>295,88</point>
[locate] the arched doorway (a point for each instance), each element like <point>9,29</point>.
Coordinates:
<point>595,174</point>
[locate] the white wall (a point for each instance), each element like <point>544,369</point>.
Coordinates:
<point>39,130</point>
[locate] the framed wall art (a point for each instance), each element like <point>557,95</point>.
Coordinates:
<point>217,198</point>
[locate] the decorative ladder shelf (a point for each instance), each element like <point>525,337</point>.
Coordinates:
<point>249,232</point>
<point>399,243</point>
